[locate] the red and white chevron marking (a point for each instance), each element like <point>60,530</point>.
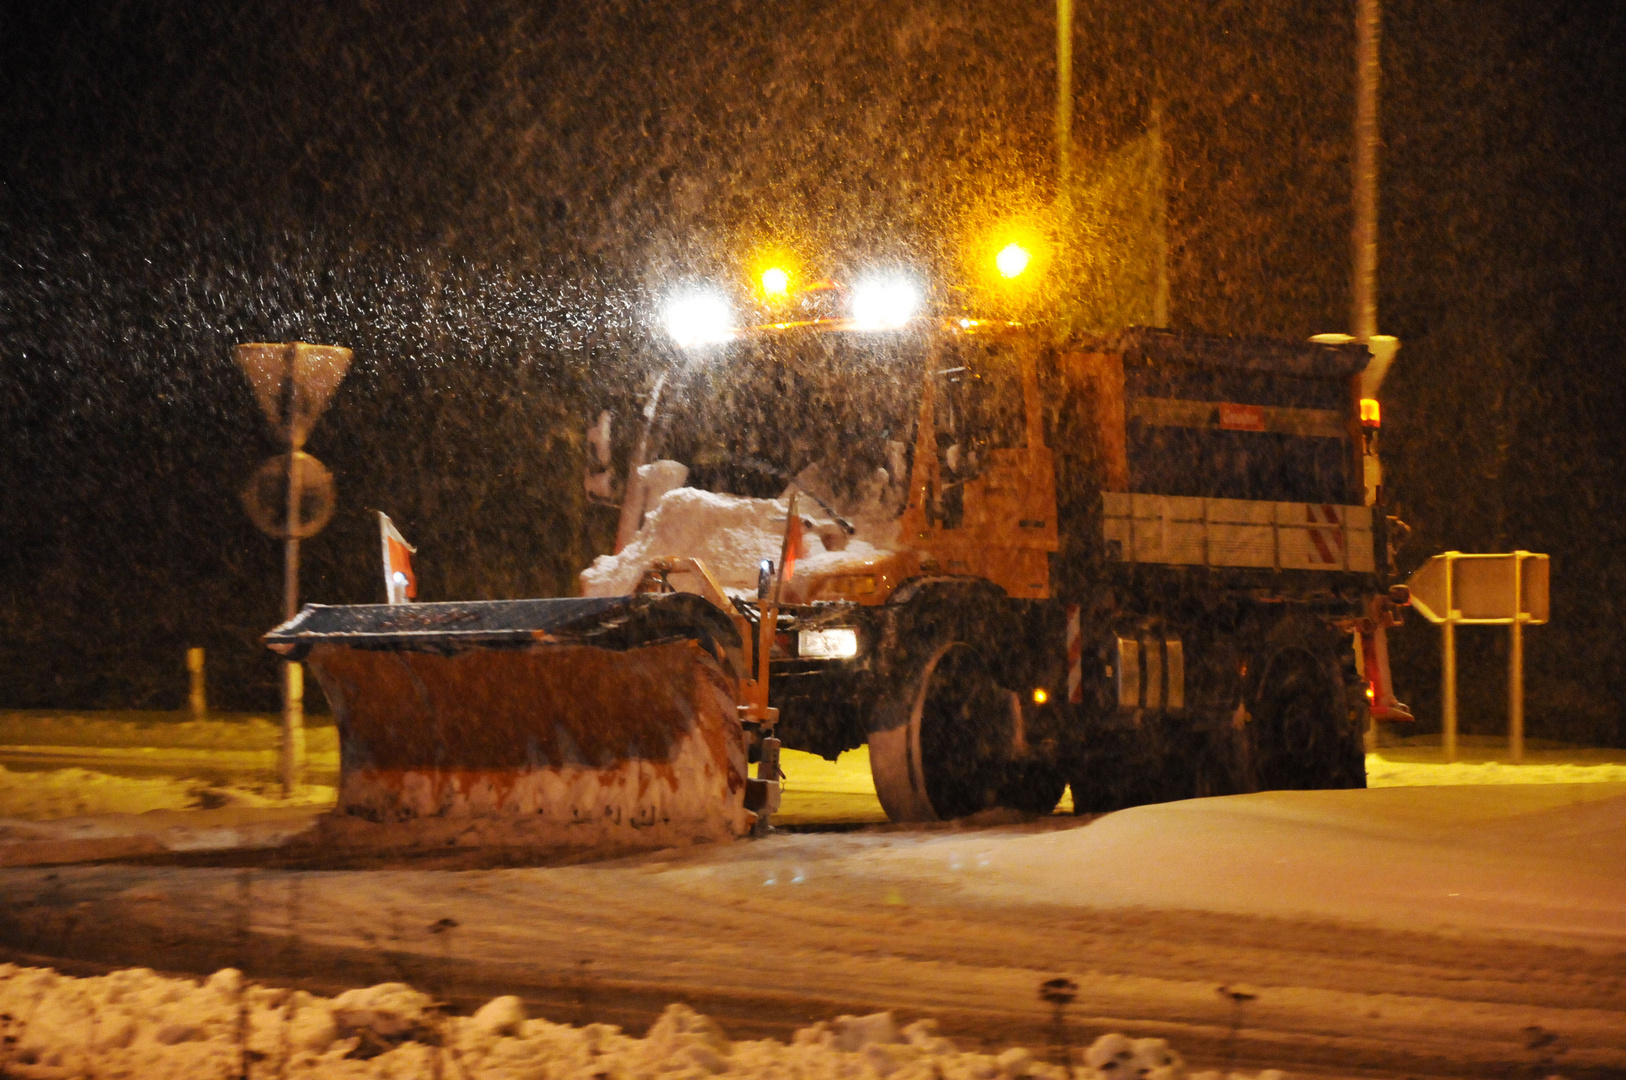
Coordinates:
<point>1326,540</point>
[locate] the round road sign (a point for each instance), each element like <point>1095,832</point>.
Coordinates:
<point>265,497</point>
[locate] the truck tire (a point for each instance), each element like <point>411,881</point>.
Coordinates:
<point>1304,735</point>
<point>942,738</point>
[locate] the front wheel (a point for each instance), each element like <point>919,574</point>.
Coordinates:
<point>943,745</point>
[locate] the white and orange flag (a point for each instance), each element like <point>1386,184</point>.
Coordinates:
<point>400,585</point>
<point>793,544</point>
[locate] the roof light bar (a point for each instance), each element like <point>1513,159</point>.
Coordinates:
<point>884,303</point>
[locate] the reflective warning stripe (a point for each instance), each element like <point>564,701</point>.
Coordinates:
<point>1075,657</point>
<point>1338,537</point>
<point>1319,537</point>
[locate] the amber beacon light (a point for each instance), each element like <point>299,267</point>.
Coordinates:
<point>1013,260</point>
<point>775,282</point>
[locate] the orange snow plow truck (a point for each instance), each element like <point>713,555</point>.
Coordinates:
<point>1144,564</point>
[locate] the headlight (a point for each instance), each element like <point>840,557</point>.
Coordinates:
<point>698,318</point>
<point>884,303</point>
<point>836,643</point>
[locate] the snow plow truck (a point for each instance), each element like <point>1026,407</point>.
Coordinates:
<point>1146,565</point>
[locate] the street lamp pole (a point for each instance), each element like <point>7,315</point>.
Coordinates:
<point>1062,208</point>
<point>1364,293</point>
<point>1064,99</point>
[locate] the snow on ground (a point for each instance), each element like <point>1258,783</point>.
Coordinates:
<point>1381,772</point>
<point>161,782</point>
<point>58,793</point>
<point>137,729</point>
<point>93,785</point>
<point>1411,923</point>
<point>817,790</point>
<point>67,815</point>
<point>1540,859</point>
<point>117,836</point>
<point>135,1023</point>
<point>1379,929</point>
<point>1483,759</point>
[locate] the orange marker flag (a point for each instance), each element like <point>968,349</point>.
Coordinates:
<point>400,584</point>
<point>793,546</point>
<point>793,541</point>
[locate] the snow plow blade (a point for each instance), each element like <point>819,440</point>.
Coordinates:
<point>572,723</point>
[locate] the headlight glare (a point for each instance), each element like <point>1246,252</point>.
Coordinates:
<point>698,317</point>
<point>833,643</point>
<point>884,303</point>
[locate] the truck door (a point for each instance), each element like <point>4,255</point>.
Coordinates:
<point>983,495</point>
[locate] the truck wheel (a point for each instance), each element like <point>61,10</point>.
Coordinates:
<point>943,745</point>
<point>1304,738</point>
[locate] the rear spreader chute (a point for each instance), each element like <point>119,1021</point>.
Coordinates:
<point>577,723</point>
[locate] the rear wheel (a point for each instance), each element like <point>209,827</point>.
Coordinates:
<point>1305,736</point>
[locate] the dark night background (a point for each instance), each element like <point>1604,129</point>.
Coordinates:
<point>482,200</point>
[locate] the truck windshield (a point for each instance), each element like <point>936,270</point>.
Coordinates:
<point>831,411</point>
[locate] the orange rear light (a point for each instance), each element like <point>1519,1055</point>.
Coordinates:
<point>1371,414</point>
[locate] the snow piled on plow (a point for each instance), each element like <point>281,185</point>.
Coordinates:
<point>731,533</point>
<point>136,1023</point>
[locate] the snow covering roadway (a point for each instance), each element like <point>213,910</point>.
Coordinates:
<point>1401,931</point>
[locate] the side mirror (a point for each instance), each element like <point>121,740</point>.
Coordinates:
<point>600,482</point>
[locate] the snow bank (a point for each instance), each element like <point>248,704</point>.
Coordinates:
<point>23,730</point>
<point>1381,772</point>
<point>59,793</point>
<point>1532,860</point>
<point>70,815</point>
<point>135,1023</point>
<point>732,534</point>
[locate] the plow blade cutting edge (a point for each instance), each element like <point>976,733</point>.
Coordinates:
<point>572,723</point>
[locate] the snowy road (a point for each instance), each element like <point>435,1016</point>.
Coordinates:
<point>1417,931</point>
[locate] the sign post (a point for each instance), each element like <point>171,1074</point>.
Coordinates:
<point>293,382</point>
<point>1456,589</point>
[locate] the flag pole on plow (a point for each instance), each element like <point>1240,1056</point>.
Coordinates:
<point>400,584</point>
